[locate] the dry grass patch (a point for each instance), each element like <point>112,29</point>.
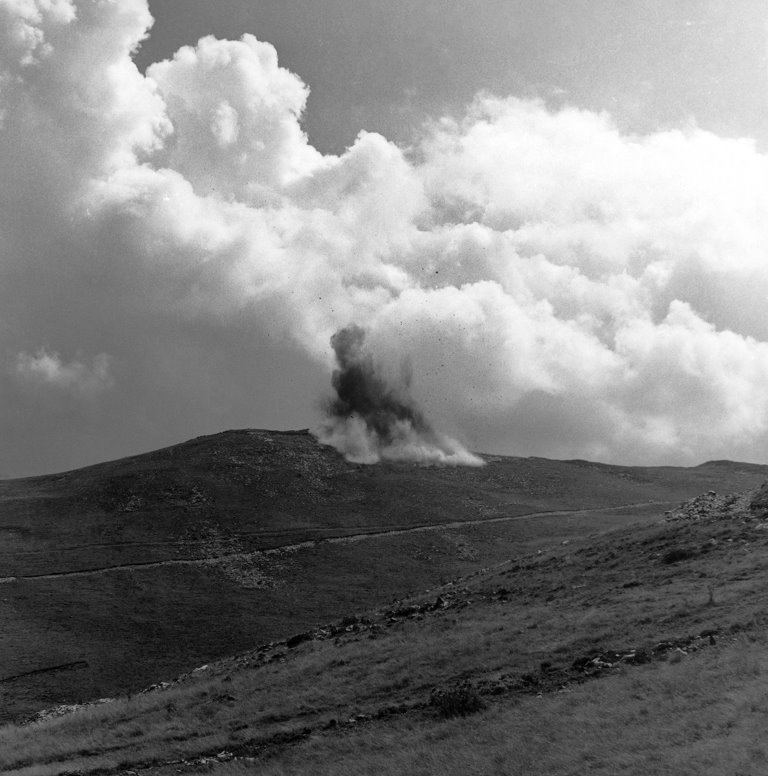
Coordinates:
<point>703,716</point>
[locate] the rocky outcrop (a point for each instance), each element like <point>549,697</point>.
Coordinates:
<point>758,506</point>
<point>711,506</point>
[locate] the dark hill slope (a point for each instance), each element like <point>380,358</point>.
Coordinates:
<point>275,488</point>
<point>121,574</point>
<point>582,653</point>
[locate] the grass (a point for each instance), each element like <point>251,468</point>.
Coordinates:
<point>533,616</point>
<point>705,715</point>
<point>245,490</point>
<point>535,597</point>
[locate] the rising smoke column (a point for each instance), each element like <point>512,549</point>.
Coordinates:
<point>371,419</point>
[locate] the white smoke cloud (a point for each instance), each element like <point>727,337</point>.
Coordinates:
<point>560,288</point>
<point>354,438</point>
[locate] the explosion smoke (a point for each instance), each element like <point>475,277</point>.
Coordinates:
<point>371,419</point>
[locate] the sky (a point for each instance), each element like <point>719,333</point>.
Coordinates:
<point>551,216</point>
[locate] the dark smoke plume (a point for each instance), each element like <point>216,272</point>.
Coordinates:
<point>370,419</point>
<point>360,390</point>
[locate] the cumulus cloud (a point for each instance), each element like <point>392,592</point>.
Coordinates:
<point>235,113</point>
<point>49,370</point>
<point>560,288</point>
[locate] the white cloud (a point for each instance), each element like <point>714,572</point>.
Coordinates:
<point>235,112</point>
<point>23,23</point>
<point>75,376</point>
<point>560,288</point>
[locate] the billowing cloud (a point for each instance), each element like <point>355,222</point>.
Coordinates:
<point>558,287</point>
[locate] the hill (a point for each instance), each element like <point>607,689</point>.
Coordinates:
<point>639,650</point>
<point>127,573</point>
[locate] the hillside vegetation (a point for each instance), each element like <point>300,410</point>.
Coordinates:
<point>565,660</point>
<point>372,591</point>
<point>271,488</point>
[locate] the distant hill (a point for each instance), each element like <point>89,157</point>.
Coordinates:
<point>124,573</point>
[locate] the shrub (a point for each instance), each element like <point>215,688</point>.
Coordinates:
<point>676,555</point>
<point>458,701</point>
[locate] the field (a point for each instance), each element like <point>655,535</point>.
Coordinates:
<point>526,592</point>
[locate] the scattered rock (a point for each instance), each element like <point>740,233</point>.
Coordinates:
<point>156,687</point>
<point>711,506</point>
<point>64,709</point>
<point>299,638</point>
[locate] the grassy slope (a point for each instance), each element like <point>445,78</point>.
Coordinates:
<point>272,488</point>
<point>527,628</point>
<point>223,497</point>
<point>704,716</point>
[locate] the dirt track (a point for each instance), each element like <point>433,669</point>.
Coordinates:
<point>346,539</point>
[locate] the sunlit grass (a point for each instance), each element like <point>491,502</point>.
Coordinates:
<point>704,715</point>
